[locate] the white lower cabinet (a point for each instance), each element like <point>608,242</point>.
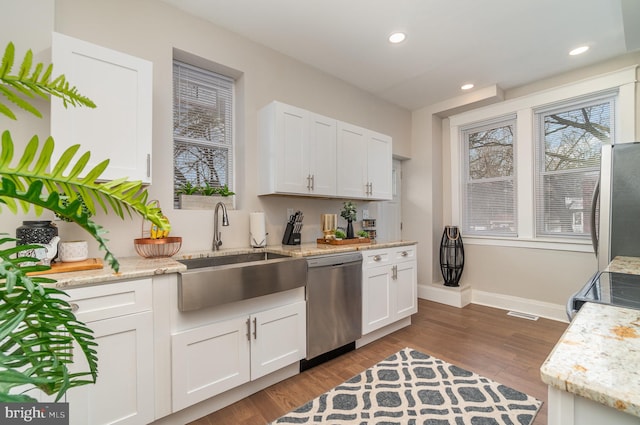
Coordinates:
<point>217,357</point>
<point>120,316</point>
<point>389,287</point>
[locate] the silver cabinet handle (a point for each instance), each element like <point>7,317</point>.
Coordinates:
<point>74,307</point>
<point>394,272</point>
<point>248,329</point>
<point>148,165</point>
<point>377,258</point>
<point>313,182</point>
<point>255,328</point>
<point>370,188</point>
<point>404,253</point>
<point>308,181</point>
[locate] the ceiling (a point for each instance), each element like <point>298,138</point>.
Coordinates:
<point>449,42</point>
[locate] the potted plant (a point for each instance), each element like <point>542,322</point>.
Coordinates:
<point>349,213</point>
<point>204,197</point>
<point>37,327</point>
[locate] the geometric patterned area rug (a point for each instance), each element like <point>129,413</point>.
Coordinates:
<point>412,388</point>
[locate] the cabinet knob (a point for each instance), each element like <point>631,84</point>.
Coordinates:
<point>377,258</point>
<point>74,307</point>
<point>404,253</point>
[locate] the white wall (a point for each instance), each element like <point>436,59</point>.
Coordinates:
<point>152,30</point>
<point>541,280</point>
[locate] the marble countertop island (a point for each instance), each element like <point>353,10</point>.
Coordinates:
<point>598,357</point>
<point>136,267</point>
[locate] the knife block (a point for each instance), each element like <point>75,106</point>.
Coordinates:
<point>290,238</point>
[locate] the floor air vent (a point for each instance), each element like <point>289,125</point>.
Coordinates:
<point>522,315</point>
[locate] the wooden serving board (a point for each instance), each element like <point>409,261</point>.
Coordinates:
<point>353,241</point>
<point>88,264</point>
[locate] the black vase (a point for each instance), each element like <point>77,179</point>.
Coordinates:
<point>451,256</point>
<point>350,229</point>
<point>40,232</point>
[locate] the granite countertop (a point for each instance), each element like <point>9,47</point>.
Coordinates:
<point>598,357</point>
<point>136,267</point>
<point>630,265</point>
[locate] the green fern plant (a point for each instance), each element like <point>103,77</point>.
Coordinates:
<point>37,328</point>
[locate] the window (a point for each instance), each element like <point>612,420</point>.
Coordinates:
<point>489,205</point>
<point>523,169</point>
<point>568,146</point>
<point>202,128</point>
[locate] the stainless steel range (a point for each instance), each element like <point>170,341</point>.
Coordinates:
<point>620,289</point>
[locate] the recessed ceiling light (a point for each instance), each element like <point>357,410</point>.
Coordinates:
<point>397,37</point>
<point>467,86</point>
<point>579,50</point>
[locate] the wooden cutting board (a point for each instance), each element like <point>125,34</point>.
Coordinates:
<point>343,241</point>
<point>88,264</point>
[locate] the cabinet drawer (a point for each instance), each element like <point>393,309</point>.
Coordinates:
<point>404,253</point>
<point>111,299</point>
<point>376,257</point>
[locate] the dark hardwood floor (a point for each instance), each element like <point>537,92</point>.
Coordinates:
<point>481,339</point>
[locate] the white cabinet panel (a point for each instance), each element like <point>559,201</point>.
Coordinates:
<point>119,128</point>
<point>297,151</point>
<point>389,286</point>
<point>123,329</point>
<point>209,360</point>
<point>278,339</point>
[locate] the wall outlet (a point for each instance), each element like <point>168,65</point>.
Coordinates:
<point>290,212</point>
<point>365,214</point>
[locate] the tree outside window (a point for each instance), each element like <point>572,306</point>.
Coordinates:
<point>568,164</point>
<point>489,205</point>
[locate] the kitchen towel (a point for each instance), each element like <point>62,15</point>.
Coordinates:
<point>257,230</point>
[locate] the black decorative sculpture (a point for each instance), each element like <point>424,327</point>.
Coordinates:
<point>451,256</point>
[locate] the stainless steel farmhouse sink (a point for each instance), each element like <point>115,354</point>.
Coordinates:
<point>224,279</point>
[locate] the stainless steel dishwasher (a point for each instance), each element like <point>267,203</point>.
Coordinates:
<point>334,303</point>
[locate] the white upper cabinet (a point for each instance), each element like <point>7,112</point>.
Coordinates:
<point>119,128</point>
<point>364,163</point>
<point>297,151</point>
<point>303,153</point>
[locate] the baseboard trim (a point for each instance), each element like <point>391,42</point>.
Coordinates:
<point>524,305</point>
<point>454,296</point>
<point>461,296</point>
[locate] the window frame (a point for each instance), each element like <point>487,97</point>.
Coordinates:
<point>608,96</point>
<point>467,180</point>
<point>622,81</point>
<point>230,141</point>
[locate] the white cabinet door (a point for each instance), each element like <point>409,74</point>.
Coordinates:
<point>364,163</point>
<point>379,166</point>
<point>278,338</point>
<point>377,296</point>
<point>352,161</point>
<point>389,286</point>
<point>209,360</point>
<point>297,151</point>
<point>123,393</point>
<point>292,141</point>
<point>119,128</point>
<point>322,155</point>
<point>406,289</point>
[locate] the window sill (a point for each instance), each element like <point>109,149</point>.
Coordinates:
<point>547,244</point>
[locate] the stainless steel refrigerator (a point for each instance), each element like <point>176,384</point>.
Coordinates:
<point>618,232</point>
<point>615,229</point>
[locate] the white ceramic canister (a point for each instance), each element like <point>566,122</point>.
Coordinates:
<point>70,251</point>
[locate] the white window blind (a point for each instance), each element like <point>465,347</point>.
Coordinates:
<point>202,127</point>
<point>568,145</point>
<point>489,194</point>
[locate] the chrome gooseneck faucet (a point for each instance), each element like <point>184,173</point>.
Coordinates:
<point>217,236</point>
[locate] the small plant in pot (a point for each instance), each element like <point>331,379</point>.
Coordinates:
<point>349,213</point>
<point>204,196</point>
